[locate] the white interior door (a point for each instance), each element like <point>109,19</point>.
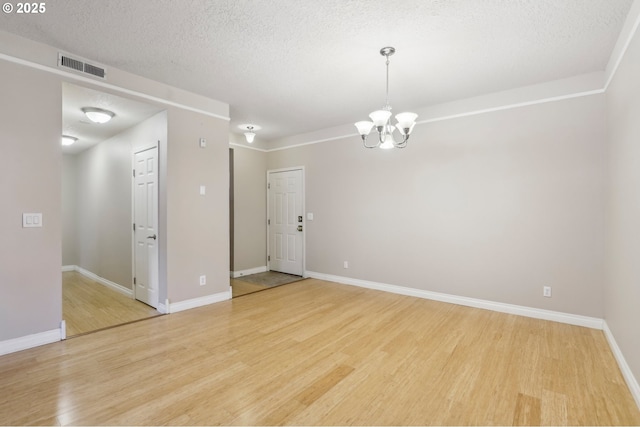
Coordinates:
<point>285,222</point>
<point>146,226</point>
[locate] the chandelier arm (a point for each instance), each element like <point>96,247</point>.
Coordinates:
<point>364,142</point>
<point>403,143</point>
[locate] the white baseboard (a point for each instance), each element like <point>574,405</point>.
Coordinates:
<point>108,283</point>
<point>536,313</point>
<point>240,273</point>
<point>163,307</point>
<point>175,307</point>
<point>631,380</point>
<point>30,341</point>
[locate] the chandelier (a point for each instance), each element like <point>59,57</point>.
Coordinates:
<point>381,119</point>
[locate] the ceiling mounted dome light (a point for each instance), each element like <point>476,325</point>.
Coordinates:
<point>68,140</point>
<point>98,115</point>
<point>381,119</point>
<point>250,131</point>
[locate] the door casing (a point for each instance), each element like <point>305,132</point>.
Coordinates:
<point>304,222</point>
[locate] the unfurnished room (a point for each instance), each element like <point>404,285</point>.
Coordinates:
<point>347,212</point>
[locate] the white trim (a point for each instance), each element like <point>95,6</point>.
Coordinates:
<point>511,106</point>
<point>457,116</point>
<point>29,341</point>
<point>105,85</point>
<point>536,313</point>
<point>198,302</point>
<point>240,273</point>
<point>233,144</point>
<point>69,268</point>
<point>108,283</point>
<point>631,380</point>
<point>620,49</point>
<point>318,141</point>
<point>63,330</point>
<point>163,307</point>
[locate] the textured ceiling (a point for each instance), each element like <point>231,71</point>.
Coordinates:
<point>295,66</point>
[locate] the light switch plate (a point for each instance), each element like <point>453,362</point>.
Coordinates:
<point>203,190</point>
<point>31,220</point>
<point>203,143</point>
<point>309,216</point>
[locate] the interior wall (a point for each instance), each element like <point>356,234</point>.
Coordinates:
<point>197,235</point>
<point>622,290</point>
<point>30,181</point>
<point>250,207</point>
<point>69,221</point>
<point>30,176</point>
<point>103,191</point>
<point>97,197</point>
<point>493,206</point>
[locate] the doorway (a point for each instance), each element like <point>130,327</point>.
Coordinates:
<point>97,202</point>
<point>145,226</point>
<point>285,221</point>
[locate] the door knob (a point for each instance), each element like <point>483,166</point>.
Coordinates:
<point>299,228</point>
<point>154,237</point>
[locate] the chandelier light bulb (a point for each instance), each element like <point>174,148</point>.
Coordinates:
<point>380,119</point>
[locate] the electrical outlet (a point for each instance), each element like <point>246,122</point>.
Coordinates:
<point>346,264</point>
<point>546,291</point>
<point>203,280</point>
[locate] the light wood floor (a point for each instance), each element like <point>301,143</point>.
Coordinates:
<point>88,306</point>
<point>239,288</point>
<point>315,352</point>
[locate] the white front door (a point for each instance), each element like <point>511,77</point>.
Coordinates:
<point>146,226</point>
<point>285,222</point>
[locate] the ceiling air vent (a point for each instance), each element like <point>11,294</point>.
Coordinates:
<point>81,66</point>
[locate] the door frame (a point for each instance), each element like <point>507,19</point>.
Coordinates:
<point>304,216</point>
<point>134,151</point>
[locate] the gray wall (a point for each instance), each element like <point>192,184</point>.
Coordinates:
<point>250,206</point>
<point>194,231</point>
<point>103,180</point>
<point>97,200</point>
<point>197,234</point>
<point>30,175</point>
<point>69,220</point>
<point>622,290</point>
<point>493,206</point>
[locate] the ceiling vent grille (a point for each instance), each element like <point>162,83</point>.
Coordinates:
<point>81,66</point>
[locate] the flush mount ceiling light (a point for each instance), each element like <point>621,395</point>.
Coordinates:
<point>381,119</point>
<point>250,131</point>
<point>98,115</point>
<point>68,140</point>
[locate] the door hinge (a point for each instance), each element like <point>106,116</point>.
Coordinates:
<point>134,280</point>
<point>268,222</point>
<point>134,226</point>
<point>268,257</point>
<point>268,186</point>
<point>134,173</point>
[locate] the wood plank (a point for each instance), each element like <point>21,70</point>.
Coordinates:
<point>319,353</point>
<point>89,306</point>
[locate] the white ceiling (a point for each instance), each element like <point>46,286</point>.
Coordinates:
<point>295,66</point>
